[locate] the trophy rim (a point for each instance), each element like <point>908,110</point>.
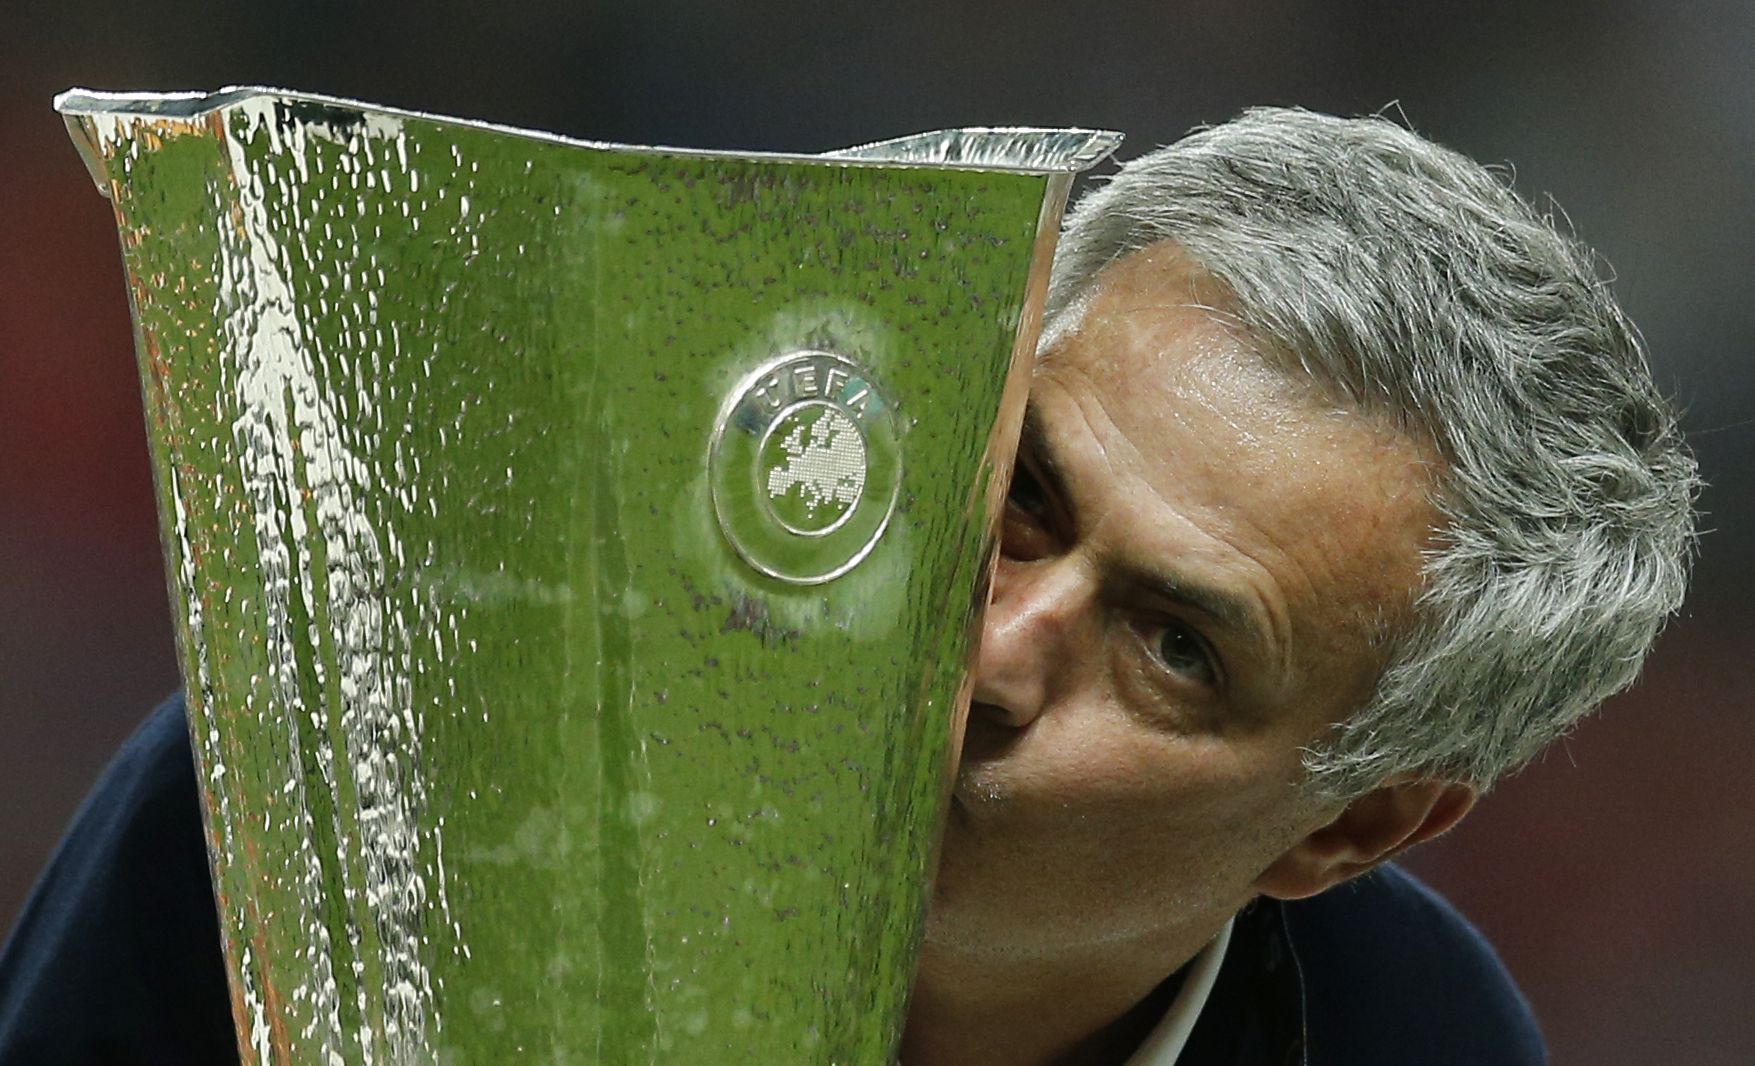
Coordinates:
<point>1051,150</point>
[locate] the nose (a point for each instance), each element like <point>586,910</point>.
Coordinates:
<point>1033,639</point>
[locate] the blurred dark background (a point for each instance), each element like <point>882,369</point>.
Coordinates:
<point>1613,875</point>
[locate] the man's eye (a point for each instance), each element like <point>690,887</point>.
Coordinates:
<point>1183,651</point>
<point>1028,531</point>
<point>1026,493</point>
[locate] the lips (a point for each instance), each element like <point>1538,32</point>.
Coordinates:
<point>972,796</point>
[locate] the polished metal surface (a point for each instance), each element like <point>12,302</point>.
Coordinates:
<point>1003,148</point>
<point>576,550</point>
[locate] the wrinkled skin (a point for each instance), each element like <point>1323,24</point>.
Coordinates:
<point>1200,560</point>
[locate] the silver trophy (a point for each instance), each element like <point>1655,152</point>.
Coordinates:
<point>576,550</point>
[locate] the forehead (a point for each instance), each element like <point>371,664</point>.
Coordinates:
<point>1158,340</point>
<point>1203,456</point>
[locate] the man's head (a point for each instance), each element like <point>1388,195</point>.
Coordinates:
<point>1406,281</point>
<point>1345,489</point>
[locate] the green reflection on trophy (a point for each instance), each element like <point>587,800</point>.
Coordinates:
<point>575,551</point>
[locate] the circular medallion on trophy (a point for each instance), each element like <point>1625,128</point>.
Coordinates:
<point>805,465</point>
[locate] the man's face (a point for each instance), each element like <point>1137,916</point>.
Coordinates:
<point>1198,564</point>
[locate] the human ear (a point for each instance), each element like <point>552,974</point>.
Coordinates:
<point>1389,819</point>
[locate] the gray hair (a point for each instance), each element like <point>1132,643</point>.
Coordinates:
<point>1409,281</point>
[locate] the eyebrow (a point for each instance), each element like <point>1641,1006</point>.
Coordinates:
<point>1033,441</point>
<point>1221,606</point>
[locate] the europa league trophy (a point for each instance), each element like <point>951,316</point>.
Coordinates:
<point>575,550</point>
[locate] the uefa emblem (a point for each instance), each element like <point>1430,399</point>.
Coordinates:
<point>805,466</point>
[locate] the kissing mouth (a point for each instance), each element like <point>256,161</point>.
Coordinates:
<point>974,790</point>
